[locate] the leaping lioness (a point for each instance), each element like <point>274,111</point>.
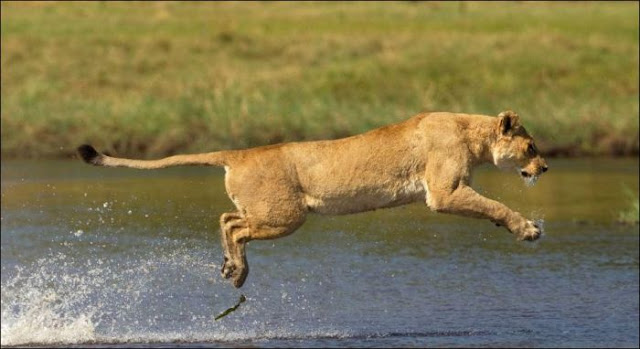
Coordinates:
<point>428,157</point>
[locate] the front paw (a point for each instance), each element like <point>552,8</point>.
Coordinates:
<point>529,231</point>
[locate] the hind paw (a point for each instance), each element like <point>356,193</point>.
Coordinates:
<point>227,268</point>
<point>239,276</point>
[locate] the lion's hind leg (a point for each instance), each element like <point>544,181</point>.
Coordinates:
<point>239,239</point>
<point>269,206</point>
<point>237,267</point>
<point>228,223</point>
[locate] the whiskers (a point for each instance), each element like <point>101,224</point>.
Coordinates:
<point>530,181</point>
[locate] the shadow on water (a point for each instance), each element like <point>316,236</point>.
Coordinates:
<point>115,257</point>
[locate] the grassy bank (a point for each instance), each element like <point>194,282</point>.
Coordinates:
<point>151,79</point>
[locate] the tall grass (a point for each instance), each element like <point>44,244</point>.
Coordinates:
<point>151,79</point>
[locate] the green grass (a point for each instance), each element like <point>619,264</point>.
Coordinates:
<point>151,79</point>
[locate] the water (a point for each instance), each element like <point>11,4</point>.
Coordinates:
<point>119,257</point>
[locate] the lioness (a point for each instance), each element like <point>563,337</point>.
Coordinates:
<point>428,157</point>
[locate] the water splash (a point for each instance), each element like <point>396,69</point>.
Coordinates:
<point>34,310</point>
<point>539,222</point>
<point>42,324</point>
<point>169,295</point>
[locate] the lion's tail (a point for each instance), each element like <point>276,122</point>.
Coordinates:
<point>91,156</point>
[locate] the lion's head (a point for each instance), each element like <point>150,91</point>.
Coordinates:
<point>514,148</point>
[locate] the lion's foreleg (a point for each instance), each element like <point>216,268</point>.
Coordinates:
<point>466,202</point>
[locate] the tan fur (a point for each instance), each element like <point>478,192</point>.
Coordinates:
<point>426,158</point>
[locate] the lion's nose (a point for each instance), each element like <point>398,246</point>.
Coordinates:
<point>524,173</point>
<point>545,168</point>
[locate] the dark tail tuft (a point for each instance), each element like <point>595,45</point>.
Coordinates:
<point>89,154</point>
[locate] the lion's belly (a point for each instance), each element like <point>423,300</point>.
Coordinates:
<point>366,198</point>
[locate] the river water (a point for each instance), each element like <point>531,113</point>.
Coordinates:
<point>120,257</point>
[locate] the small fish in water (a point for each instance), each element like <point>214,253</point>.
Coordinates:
<point>232,309</point>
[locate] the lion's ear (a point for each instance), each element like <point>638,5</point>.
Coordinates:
<point>508,120</point>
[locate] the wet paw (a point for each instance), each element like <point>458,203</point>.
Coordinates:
<point>238,273</point>
<point>239,276</point>
<point>531,231</point>
<point>227,268</point>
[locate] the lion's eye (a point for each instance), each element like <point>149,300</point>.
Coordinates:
<point>531,150</point>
